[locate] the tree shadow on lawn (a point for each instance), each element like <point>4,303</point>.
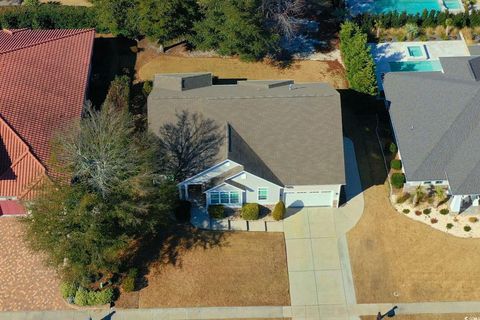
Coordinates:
<point>169,247</point>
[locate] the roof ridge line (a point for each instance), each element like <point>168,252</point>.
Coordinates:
<point>50,40</point>
<point>25,144</point>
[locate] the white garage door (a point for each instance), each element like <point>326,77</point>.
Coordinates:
<point>309,199</point>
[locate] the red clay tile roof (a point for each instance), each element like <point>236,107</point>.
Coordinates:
<point>43,80</point>
<point>20,170</point>
<point>11,207</point>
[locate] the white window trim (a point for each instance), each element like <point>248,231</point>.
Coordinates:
<point>229,203</point>
<point>258,194</point>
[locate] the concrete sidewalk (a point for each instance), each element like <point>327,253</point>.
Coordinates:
<point>294,312</point>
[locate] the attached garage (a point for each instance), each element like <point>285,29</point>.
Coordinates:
<point>318,198</point>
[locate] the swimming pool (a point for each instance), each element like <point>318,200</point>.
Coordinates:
<point>415,51</point>
<point>415,66</point>
<point>410,6</point>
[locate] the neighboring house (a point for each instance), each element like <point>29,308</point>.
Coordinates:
<point>283,141</point>
<point>436,121</point>
<point>43,81</point>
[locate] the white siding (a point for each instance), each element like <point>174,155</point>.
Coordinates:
<point>227,188</point>
<point>426,183</point>
<point>212,172</point>
<point>252,183</point>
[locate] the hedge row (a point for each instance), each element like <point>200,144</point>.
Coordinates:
<point>84,297</point>
<point>48,16</point>
<point>426,19</point>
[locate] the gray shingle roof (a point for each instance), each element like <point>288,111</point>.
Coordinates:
<point>436,119</point>
<point>290,135</point>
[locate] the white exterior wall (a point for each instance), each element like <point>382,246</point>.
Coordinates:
<point>426,183</point>
<point>227,188</point>
<point>335,188</point>
<point>252,183</point>
<point>212,172</point>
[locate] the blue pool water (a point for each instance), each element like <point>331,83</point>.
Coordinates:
<point>415,51</point>
<point>410,6</point>
<point>416,66</point>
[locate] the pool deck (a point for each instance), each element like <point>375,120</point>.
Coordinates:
<point>383,53</point>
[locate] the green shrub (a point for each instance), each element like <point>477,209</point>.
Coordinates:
<point>427,211</point>
<point>182,211</point>
<point>82,297</point>
<point>406,211</point>
<point>473,219</point>
<point>397,180</point>
<point>216,211</point>
<point>250,211</point>
<point>128,283</point>
<point>449,226</point>
<point>444,211</point>
<point>467,228</point>
<point>68,289</point>
<point>102,297</point>
<point>404,197</point>
<point>396,164</point>
<point>392,148</point>
<point>85,297</point>
<point>147,87</point>
<point>279,211</point>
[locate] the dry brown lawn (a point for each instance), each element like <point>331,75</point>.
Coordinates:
<point>226,68</point>
<point>392,253</point>
<point>239,269</point>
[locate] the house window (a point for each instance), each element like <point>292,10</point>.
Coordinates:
<point>224,198</point>
<point>214,198</point>
<point>439,182</point>
<point>262,194</point>
<point>232,197</point>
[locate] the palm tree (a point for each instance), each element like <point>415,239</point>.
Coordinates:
<point>418,195</point>
<point>412,30</point>
<point>378,26</point>
<point>448,24</point>
<point>440,194</point>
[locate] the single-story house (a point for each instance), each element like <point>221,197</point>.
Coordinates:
<point>43,82</point>
<point>436,122</point>
<point>283,141</point>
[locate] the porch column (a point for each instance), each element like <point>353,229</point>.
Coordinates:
<point>456,204</point>
<point>186,191</point>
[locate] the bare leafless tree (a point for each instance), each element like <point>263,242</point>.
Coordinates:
<point>189,146</point>
<point>101,152</point>
<point>282,14</point>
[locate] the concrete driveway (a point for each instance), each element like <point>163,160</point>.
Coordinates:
<point>321,284</point>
